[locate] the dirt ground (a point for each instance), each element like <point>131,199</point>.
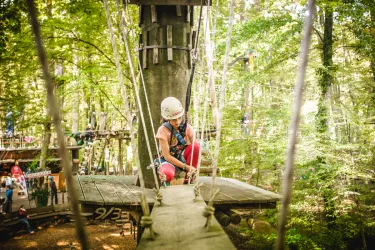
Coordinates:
<point>100,236</point>
<point>63,236</point>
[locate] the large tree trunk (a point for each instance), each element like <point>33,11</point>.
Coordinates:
<point>48,121</point>
<point>372,32</point>
<point>326,77</point>
<point>166,71</point>
<point>326,82</point>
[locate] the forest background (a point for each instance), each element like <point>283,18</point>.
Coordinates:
<point>333,191</point>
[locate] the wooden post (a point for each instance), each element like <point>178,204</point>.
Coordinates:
<point>222,218</point>
<point>154,14</point>
<point>235,218</point>
<point>144,55</point>
<point>120,158</point>
<point>178,10</point>
<point>75,160</point>
<point>169,43</point>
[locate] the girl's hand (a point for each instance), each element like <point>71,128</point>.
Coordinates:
<point>191,169</point>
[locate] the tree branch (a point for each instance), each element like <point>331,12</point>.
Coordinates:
<point>318,33</point>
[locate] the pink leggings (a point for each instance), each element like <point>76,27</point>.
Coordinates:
<point>191,159</point>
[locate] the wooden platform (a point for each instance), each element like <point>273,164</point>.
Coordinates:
<point>236,194</point>
<point>179,224</point>
<point>112,190</point>
<point>28,154</point>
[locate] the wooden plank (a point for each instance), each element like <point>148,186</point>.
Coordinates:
<point>193,37</point>
<point>154,14</point>
<point>233,191</point>
<point>169,42</point>
<point>140,54</point>
<point>78,189</point>
<point>109,195</point>
<point>188,9</point>
<point>155,55</point>
<point>156,50</point>
<point>180,224</point>
<point>144,56</point>
<point>192,15</point>
<point>90,191</point>
<point>126,190</point>
<point>178,10</point>
<point>170,2</point>
<point>128,195</point>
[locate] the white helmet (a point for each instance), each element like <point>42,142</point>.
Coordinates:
<point>171,108</point>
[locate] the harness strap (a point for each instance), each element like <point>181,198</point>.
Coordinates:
<point>179,137</point>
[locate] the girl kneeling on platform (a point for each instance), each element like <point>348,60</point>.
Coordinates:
<point>179,154</point>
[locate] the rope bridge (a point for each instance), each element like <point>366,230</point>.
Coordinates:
<point>179,224</point>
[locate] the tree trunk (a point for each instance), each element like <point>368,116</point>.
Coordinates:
<point>326,78</point>
<point>372,32</point>
<point>166,71</point>
<point>211,74</point>
<point>129,159</point>
<point>45,143</point>
<point>75,101</point>
<point>120,157</point>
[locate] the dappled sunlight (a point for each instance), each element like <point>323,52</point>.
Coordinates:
<point>98,239</point>
<point>116,235</point>
<point>32,244</point>
<point>111,247</point>
<point>62,243</point>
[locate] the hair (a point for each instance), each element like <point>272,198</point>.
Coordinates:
<point>22,206</point>
<point>162,120</point>
<point>8,186</point>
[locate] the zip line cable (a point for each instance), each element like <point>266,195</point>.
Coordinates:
<point>146,220</point>
<point>54,112</point>
<point>294,124</point>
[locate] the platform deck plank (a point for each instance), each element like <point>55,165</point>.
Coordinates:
<point>110,190</point>
<point>120,190</point>
<point>233,191</point>
<point>127,193</point>
<point>90,191</point>
<point>180,224</point>
<point>107,192</point>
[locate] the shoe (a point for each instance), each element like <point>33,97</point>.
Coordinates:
<point>32,232</point>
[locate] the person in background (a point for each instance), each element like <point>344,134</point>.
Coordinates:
<point>89,134</point>
<point>78,137</point>
<point>9,181</point>
<point>245,123</point>
<point>8,199</point>
<point>24,218</point>
<point>53,191</point>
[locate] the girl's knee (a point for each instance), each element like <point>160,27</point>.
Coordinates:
<point>166,172</point>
